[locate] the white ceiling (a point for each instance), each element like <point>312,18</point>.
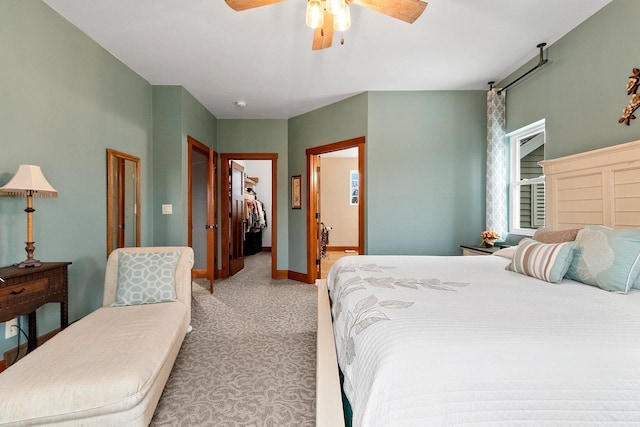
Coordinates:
<point>263,56</point>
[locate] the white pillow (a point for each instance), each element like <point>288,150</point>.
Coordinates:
<point>507,252</point>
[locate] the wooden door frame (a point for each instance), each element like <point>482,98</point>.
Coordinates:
<point>195,145</point>
<point>312,225</point>
<point>120,156</point>
<point>224,207</point>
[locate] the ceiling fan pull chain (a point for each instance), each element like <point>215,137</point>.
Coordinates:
<point>342,38</point>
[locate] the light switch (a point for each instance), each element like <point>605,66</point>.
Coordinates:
<point>167,209</point>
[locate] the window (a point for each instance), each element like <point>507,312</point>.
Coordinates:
<point>353,187</point>
<point>526,187</point>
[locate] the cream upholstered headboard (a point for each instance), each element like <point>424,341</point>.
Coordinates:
<point>596,187</point>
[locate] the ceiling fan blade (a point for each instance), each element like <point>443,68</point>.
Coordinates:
<point>405,10</point>
<point>323,37</point>
<point>239,5</point>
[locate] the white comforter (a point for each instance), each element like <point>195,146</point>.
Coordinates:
<point>427,341</point>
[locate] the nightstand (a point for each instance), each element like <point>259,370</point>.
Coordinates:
<point>23,290</point>
<point>468,250</point>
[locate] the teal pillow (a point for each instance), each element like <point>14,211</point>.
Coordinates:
<point>146,278</point>
<point>544,261</point>
<point>607,258</point>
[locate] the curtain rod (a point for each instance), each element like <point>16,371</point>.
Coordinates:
<point>540,63</point>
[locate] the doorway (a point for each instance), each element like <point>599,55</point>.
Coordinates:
<point>338,207</point>
<point>202,221</point>
<point>314,219</point>
<point>233,233</point>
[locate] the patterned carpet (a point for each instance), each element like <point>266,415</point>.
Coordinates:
<point>250,360</point>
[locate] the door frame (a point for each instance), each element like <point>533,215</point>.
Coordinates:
<point>195,145</point>
<point>224,207</point>
<point>313,159</point>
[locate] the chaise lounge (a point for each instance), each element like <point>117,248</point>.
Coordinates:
<point>110,367</point>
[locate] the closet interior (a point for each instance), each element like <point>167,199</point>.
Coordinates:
<point>255,217</point>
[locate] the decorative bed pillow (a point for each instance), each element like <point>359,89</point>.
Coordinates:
<point>545,235</point>
<point>146,278</point>
<point>607,258</point>
<point>544,261</point>
<point>507,252</point>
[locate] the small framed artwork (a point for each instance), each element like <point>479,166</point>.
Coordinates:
<point>353,187</point>
<point>296,192</point>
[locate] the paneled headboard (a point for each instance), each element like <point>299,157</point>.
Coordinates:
<point>596,187</point>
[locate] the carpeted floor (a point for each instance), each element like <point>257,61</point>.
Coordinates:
<point>250,359</point>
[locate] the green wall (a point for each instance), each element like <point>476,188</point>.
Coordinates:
<point>425,156</point>
<point>336,122</point>
<point>426,162</point>
<point>176,115</point>
<point>63,101</point>
<point>167,164</point>
<point>582,91</point>
<point>263,136</point>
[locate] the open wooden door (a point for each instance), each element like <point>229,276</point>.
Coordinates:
<point>227,233</point>
<point>316,203</point>
<point>313,197</point>
<point>202,204</point>
<point>237,218</point>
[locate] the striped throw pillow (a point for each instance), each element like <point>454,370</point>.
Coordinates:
<point>544,261</point>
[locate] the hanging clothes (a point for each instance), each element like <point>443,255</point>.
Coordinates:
<point>255,222</point>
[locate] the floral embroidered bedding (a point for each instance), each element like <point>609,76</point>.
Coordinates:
<point>461,340</point>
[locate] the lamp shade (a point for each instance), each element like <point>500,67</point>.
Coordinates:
<point>315,14</point>
<point>342,18</point>
<point>29,180</point>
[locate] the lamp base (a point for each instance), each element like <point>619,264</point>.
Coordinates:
<point>29,262</point>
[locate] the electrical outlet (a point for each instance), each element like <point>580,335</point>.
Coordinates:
<point>11,328</point>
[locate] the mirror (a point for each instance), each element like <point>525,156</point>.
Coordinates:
<point>123,200</point>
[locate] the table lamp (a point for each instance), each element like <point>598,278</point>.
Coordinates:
<point>29,182</point>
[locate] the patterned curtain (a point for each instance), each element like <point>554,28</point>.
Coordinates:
<point>497,165</point>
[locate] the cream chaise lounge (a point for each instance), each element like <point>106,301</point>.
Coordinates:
<point>110,367</point>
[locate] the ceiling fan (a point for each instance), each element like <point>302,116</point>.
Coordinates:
<point>325,16</point>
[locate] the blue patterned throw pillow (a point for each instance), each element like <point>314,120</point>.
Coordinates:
<point>607,258</point>
<point>146,278</point>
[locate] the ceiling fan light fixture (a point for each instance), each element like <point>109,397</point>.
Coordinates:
<point>342,18</point>
<point>315,14</point>
<point>333,5</point>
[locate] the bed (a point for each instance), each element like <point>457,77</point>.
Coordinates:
<point>460,340</point>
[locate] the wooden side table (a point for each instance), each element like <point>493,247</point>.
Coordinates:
<point>468,250</point>
<point>23,290</point>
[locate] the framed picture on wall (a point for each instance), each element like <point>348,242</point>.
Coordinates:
<point>353,187</point>
<point>296,192</point>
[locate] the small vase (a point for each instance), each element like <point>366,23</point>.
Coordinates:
<point>488,243</point>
